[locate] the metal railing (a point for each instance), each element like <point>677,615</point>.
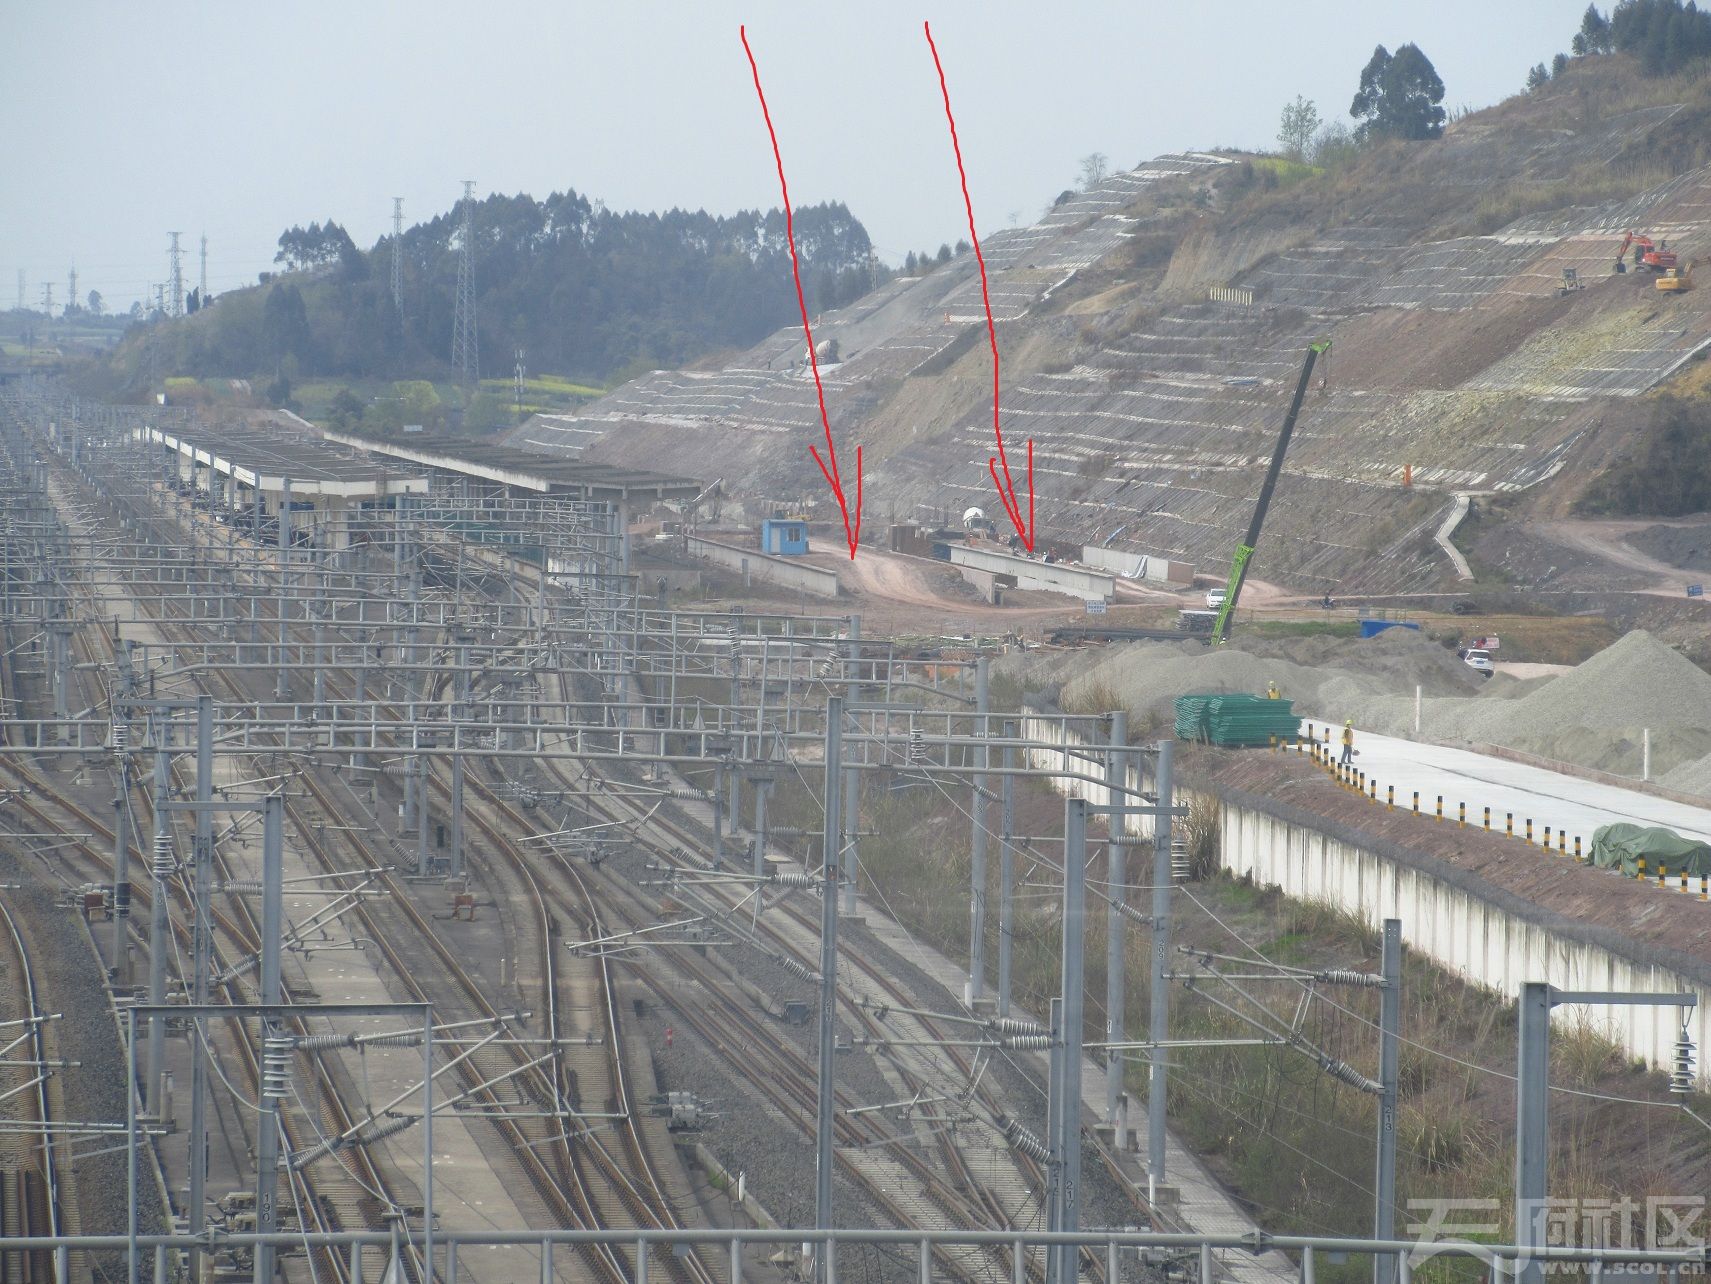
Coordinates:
<point>1025,1248</point>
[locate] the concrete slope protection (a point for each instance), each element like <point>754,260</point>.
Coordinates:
<point>1459,363</point>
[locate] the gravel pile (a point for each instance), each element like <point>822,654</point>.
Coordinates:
<point>1592,715</point>
<point>1691,777</point>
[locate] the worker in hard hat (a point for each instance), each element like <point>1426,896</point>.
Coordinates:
<point>1271,691</point>
<point>1348,741</point>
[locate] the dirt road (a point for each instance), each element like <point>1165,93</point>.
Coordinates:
<point>1606,541</point>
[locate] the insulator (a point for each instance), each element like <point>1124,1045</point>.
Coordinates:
<point>692,795</point>
<point>164,863</point>
<point>1681,1078</point>
<point>1349,1075</point>
<point>1026,1042</point>
<point>1348,976</point>
<point>381,1131</point>
<point>276,1067</point>
<point>1015,1025</point>
<point>395,1039</point>
<point>316,1042</point>
<point>121,737</point>
<point>917,747</point>
<point>796,968</point>
<point>828,666</point>
<point>238,969</point>
<point>794,878</point>
<point>303,1158</point>
<point>1026,1142</point>
<point>242,887</point>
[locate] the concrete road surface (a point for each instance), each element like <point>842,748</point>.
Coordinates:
<point>1479,780</point>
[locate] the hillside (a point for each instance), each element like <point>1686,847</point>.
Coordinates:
<point>1459,366</point>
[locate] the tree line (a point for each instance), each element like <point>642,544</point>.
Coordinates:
<point>1666,36</point>
<point>582,289</point>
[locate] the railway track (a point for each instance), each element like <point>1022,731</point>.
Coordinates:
<point>30,1163</point>
<point>607,1196</point>
<point>924,1178</point>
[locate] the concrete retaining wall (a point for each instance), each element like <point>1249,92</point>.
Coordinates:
<point>784,571</point>
<point>1056,578</point>
<point>1480,932</point>
<point>1137,566</point>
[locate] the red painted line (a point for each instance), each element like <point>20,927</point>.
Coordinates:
<point>831,474</point>
<point>1002,461</point>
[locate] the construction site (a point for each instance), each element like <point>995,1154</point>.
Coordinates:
<point>582,852</point>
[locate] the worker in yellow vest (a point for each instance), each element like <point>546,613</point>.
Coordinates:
<point>1272,693</point>
<point>1348,741</point>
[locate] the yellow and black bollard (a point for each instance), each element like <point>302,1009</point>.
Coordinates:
<point>1416,802</point>
<point>1529,831</point>
<point>1562,842</point>
<point>1640,869</point>
<point>1488,820</point>
<point>1509,823</point>
<point>1663,875</point>
<point>1461,815</point>
<point>1577,846</point>
<point>1440,809</point>
<point>1547,842</point>
<point>1390,797</point>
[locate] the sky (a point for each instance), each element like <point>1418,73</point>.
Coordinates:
<point>126,121</point>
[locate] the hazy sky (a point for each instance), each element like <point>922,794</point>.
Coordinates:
<point>124,121</point>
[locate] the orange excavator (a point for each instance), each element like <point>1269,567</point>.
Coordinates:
<point>1648,256</point>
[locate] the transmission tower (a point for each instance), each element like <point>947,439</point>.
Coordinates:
<point>176,302</point>
<point>398,254</point>
<point>202,282</point>
<point>71,292</point>
<point>517,373</point>
<point>47,297</point>
<point>463,322</point>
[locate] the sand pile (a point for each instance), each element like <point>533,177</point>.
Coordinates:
<point>1592,715</point>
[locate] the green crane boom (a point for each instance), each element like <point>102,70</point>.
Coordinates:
<point>1245,550</point>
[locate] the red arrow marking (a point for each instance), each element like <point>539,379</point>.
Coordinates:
<point>1006,488</point>
<point>852,532</point>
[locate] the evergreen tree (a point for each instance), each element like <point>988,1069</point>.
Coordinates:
<point>1538,77</point>
<point>1594,34</point>
<point>1399,96</point>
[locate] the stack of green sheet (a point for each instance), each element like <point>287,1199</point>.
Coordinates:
<point>1234,720</point>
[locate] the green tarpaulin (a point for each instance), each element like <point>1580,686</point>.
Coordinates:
<point>1233,720</point>
<point>1621,846</point>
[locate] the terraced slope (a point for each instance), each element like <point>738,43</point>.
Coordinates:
<point>1459,365</point>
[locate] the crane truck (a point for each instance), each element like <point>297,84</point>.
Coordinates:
<point>1245,550</point>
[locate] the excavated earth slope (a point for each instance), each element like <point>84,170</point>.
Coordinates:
<point>1457,358</point>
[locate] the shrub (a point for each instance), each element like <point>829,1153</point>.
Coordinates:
<point>1668,471</point>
